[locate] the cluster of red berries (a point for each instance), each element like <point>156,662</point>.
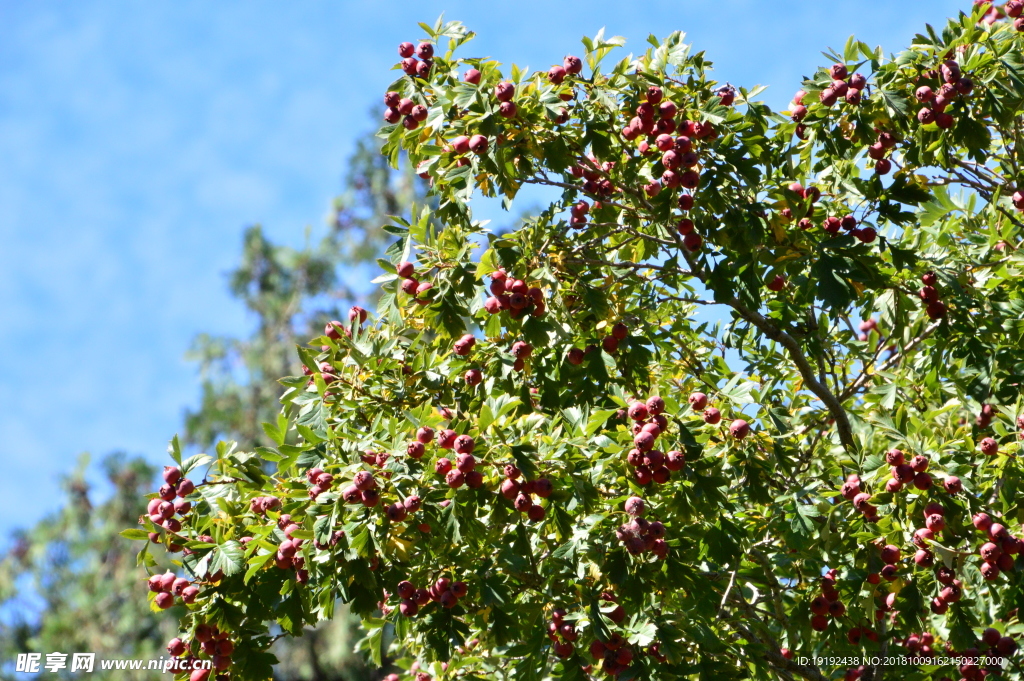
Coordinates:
<point>167,586</point>
<point>410,65</point>
<point>935,522</point>
<point>463,472</point>
<point>997,553</point>
<point>521,493</point>
<point>1014,9</point>
<point>953,85</point>
<point>993,14</point>
<point>692,241</point>
<point>400,510</point>
<point>503,92</point>
<point>678,157</point>
<point>919,645</point>
<point>891,556</point>
<point>595,177</point>
<point>403,109</point>
<point>443,591</point>
<point>571,65</point>
<point>326,369</point>
<point>648,463</point>
<point>855,634</point>
<point>738,429</point>
<point>363,490</point>
<point>699,402</point>
<point>640,535</point>
<point>929,295</point>
<point>827,604</point>
<point>562,634</point>
<point>213,643</point>
<point>287,556</point>
<point>802,194</point>
<point>520,350</point>
<point>333,330</point>
<point>515,296</point>
<point>984,419</point>
<point>609,344</point>
<point>578,213</point>
<point>170,500</point>
<point>679,161</point>
<point>260,505</point>
<point>885,143</point>
<point>464,144</point>
<point>615,654</point>
<point>998,646</point>
<point>654,116</point>
<point>951,590</point>
<point>913,472</point>
<point>321,546</point>
<point>320,482</point>
<point>853,490</point>
<point>464,345</point>
<point>419,290</point>
<point>843,86</point>
<point>377,460</point>
<point>832,224</point>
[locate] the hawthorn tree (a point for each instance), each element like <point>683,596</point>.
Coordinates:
<point>539,460</point>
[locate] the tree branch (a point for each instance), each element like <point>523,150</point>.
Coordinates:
<point>833,404</point>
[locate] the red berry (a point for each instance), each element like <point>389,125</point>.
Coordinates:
<point>478,144</point>
<point>504,91</point>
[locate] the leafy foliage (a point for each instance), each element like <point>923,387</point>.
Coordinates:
<point>539,461</point>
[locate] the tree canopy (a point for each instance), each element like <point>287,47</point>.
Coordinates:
<point>746,393</point>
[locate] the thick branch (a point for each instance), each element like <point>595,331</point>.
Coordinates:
<point>834,406</point>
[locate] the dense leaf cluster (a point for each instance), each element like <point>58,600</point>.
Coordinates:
<point>544,458</point>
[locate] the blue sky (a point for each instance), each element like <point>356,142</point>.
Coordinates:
<point>138,139</point>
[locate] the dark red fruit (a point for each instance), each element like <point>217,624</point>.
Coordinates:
<point>504,91</point>
<point>777,283</point>
<point>478,144</point>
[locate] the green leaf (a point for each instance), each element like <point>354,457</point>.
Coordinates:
<point>228,558</point>
<point>597,420</point>
<point>256,563</point>
<point>135,534</point>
